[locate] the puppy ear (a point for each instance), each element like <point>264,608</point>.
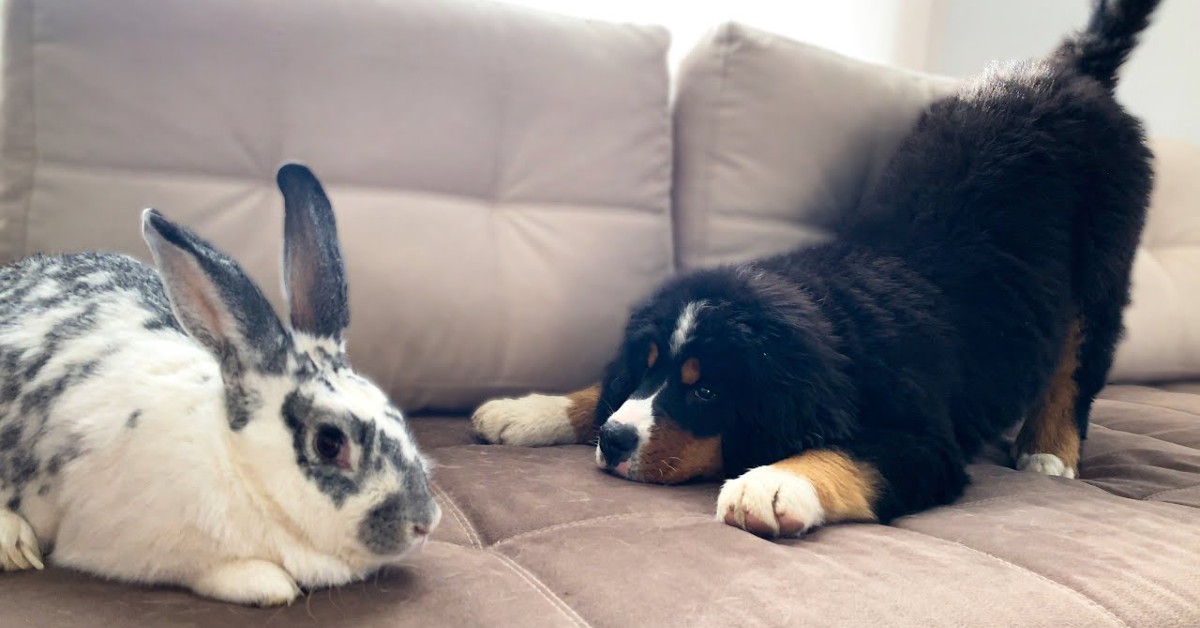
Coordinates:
<point>624,372</point>
<point>214,301</point>
<point>800,396</point>
<point>313,274</point>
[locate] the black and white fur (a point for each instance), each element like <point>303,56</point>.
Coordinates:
<point>1008,217</point>
<point>165,427</point>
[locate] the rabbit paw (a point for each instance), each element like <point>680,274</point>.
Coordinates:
<point>249,582</point>
<point>19,549</point>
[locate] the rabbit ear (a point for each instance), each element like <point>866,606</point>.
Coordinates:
<point>214,300</point>
<point>314,277</point>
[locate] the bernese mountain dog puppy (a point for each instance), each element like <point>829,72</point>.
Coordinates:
<point>982,282</point>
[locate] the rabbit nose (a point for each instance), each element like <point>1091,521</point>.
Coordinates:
<point>425,525</point>
<point>398,522</point>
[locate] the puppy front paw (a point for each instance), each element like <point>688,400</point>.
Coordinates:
<point>770,502</point>
<point>530,421</point>
<point>248,582</point>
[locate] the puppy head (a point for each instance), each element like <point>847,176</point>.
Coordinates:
<point>721,371</point>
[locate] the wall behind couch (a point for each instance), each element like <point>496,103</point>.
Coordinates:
<point>1161,82</point>
<point>894,32</point>
<point>954,37</point>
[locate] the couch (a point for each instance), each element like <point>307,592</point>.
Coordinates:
<point>507,183</point>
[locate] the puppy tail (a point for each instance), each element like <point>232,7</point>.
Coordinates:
<point>1104,45</point>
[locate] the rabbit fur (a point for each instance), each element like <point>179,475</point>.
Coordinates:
<point>165,427</point>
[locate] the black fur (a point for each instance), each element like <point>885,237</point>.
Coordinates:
<point>259,342</point>
<point>312,257</point>
<point>304,417</point>
<point>936,319</point>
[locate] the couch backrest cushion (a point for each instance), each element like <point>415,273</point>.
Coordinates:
<point>1162,325</point>
<point>501,176</point>
<point>775,138</point>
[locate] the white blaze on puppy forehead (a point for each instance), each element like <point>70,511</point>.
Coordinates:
<point>684,326</point>
<point>638,413</point>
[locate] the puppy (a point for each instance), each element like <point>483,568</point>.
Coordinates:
<point>983,282</point>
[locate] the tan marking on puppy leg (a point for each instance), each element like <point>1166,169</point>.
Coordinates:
<point>672,455</point>
<point>653,357</point>
<point>1051,428</point>
<point>795,495</point>
<point>582,412</point>
<point>690,373</point>
<point>538,420</point>
<point>847,488</point>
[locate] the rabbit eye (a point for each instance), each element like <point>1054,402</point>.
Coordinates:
<point>704,394</point>
<point>330,443</point>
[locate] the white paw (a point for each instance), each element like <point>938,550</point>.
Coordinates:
<point>531,421</point>
<point>250,582</point>
<point>770,502</point>
<point>1046,464</point>
<point>19,549</point>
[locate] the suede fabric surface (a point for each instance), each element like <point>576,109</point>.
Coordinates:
<point>539,537</point>
<point>503,182</point>
<point>482,159</point>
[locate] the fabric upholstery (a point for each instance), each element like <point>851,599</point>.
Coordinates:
<point>776,139</point>
<point>1162,340</point>
<point>540,537</point>
<point>502,181</point>
<point>501,176</point>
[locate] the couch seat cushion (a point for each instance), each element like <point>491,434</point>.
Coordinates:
<point>541,538</point>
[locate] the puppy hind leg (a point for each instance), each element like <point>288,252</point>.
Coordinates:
<point>1049,440</point>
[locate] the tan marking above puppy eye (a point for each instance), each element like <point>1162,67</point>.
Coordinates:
<point>653,357</point>
<point>690,373</point>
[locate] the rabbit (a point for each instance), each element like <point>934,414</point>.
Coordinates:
<point>166,428</point>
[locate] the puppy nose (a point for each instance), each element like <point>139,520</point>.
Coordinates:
<point>617,442</point>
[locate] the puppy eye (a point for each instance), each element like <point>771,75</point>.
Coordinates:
<point>704,394</point>
<point>330,443</point>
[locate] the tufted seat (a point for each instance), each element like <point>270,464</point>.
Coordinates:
<point>507,182</point>
<point>541,538</point>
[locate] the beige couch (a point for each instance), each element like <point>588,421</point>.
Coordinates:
<point>507,183</point>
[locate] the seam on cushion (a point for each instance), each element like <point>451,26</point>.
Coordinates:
<point>1147,405</point>
<point>726,40</point>
<point>1150,436</point>
<point>502,342</point>
<point>33,116</point>
<point>252,179</point>
<point>543,590</point>
<point>581,522</point>
<point>1152,496</point>
<point>459,516</point>
<point>991,500</point>
<point>1054,583</point>
<point>1102,491</point>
